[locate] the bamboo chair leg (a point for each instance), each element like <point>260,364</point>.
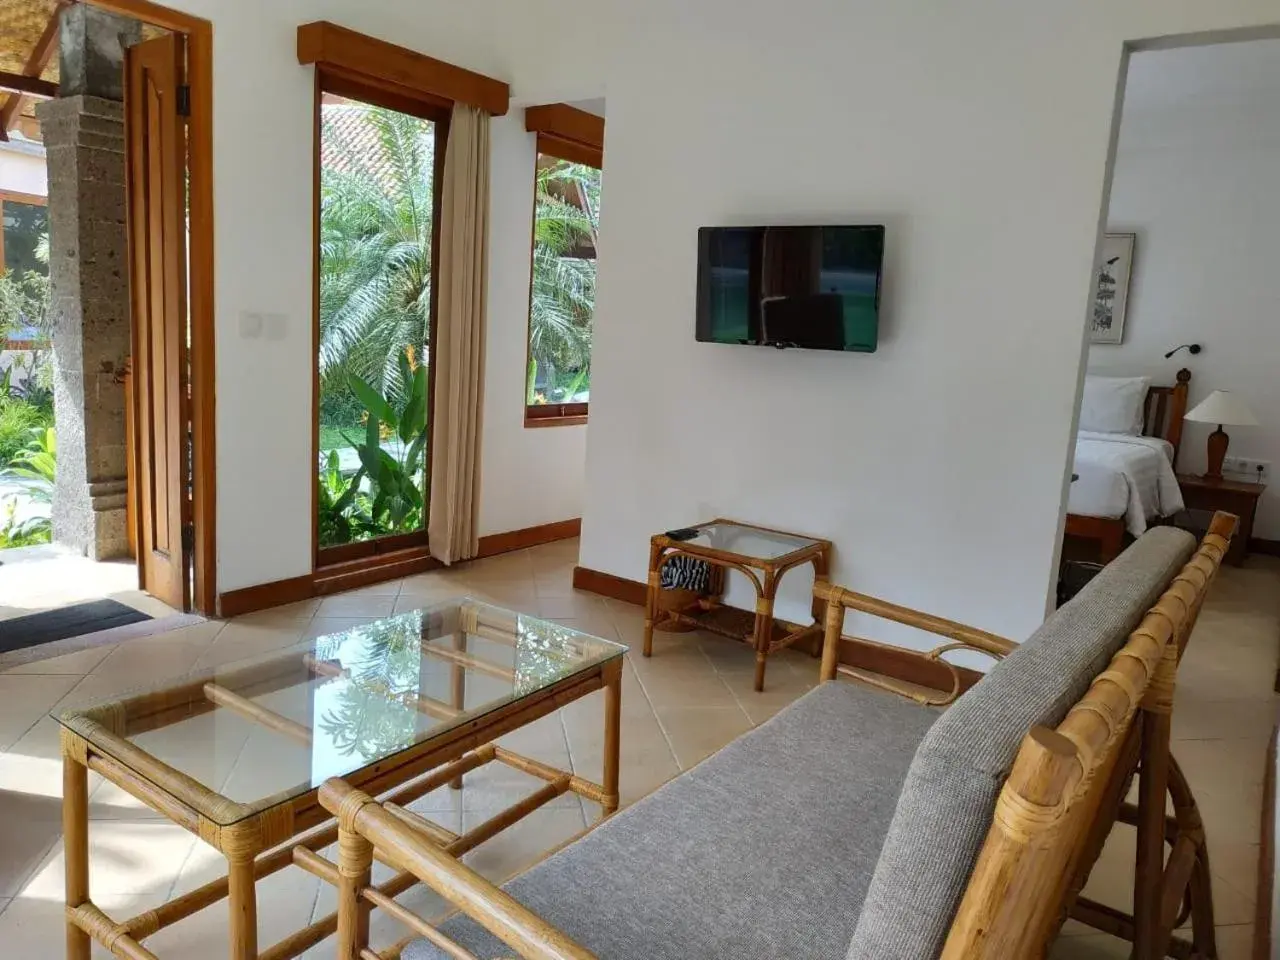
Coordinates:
<point>355,871</point>
<point>1150,942</point>
<point>75,832</point>
<point>1187,813</point>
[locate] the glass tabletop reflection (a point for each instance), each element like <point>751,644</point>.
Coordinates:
<point>265,731</point>
<point>748,541</point>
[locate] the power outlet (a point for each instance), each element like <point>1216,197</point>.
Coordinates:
<point>1243,468</point>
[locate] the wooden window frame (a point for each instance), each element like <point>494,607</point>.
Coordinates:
<point>565,133</point>
<point>380,550</point>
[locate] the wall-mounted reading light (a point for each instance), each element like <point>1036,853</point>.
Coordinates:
<point>1191,348</point>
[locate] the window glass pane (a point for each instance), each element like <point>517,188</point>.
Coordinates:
<point>376,215</point>
<point>566,226</point>
<point>26,231</point>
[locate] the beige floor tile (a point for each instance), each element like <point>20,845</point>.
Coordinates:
<point>1197,719</point>
<point>242,641</point>
<point>25,699</point>
<point>71,665</point>
<point>160,657</point>
<point>32,927</point>
<point>697,732</point>
<point>302,611</point>
<point>343,605</point>
<point>525,843</point>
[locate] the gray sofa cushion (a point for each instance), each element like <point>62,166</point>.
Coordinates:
<point>761,852</point>
<point>950,792</point>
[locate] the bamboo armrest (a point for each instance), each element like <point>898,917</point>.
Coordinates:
<point>961,637</point>
<point>979,640</point>
<point>411,850</point>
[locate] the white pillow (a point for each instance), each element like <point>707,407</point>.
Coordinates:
<point>1114,404</point>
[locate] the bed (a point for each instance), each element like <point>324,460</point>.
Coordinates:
<point>1125,479</point>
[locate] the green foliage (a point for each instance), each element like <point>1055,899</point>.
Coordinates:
<point>375,248</point>
<point>394,501</point>
<point>24,302</point>
<point>35,464</point>
<point>342,518</point>
<point>29,533</point>
<point>566,232</point>
<point>18,420</point>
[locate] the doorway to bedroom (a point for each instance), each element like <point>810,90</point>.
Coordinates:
<point>1182,331</point>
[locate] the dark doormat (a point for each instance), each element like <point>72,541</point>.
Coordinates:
<point>73,621</point>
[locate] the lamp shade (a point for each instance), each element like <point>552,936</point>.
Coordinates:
<point>1223,407</point>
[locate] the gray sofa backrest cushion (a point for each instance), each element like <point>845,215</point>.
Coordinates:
<point>948,799</point>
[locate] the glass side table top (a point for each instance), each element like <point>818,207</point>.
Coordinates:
<point>266,731</point>
<point>748,541</point>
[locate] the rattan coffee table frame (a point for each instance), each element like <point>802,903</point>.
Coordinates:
<point>261,839</point>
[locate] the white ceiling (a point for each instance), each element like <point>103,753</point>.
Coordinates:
<point>1219,73</point>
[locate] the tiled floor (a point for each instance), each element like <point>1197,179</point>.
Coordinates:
<point>33,579</point>
<point>690,699</point>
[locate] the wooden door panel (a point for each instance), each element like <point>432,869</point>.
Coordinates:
<point>156,147</point>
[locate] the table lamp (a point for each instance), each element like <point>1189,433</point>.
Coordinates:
<point>1223,408</point>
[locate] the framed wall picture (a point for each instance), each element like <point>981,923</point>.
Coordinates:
<point>1111,288</point>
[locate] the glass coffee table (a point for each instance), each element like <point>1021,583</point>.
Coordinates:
<point>400,707</point>
<point>764,556</point>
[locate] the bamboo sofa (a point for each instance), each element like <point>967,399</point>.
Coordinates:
<point>866,823</point>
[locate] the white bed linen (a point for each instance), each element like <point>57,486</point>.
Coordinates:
<point>1123,476</point>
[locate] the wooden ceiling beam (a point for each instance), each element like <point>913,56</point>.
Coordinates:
<point>36,64</point>
<point>27,86</point>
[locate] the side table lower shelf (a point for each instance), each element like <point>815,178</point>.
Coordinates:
<point>737,624</point>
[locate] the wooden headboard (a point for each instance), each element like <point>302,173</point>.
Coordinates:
<point>1164,410</point>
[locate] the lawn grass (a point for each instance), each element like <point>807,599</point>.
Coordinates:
<point>331,436</point>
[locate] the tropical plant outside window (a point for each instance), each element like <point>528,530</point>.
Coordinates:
<point>378,170</point>
<point>566,228</point>
<point>27,447</point>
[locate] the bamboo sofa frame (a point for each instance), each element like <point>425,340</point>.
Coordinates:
<point>1063,797</point>
<point>1162,414</point>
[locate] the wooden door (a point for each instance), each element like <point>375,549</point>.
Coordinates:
<point>156,155</point>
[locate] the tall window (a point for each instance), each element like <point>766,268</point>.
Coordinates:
<point>24,269</point>
<point>380,164</point>
<point>562,299</point>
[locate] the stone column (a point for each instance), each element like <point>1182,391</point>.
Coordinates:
<point>88,269</point>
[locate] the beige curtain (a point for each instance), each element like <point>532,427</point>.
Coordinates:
<point>458,353</point>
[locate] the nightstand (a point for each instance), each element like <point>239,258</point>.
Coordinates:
<point>1233,496</point>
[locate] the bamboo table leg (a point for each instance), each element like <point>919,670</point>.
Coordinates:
<point>75,839</point>
<point>612,733</point>
<point>243,899</point>
<point>459,688</point>
<point>764,629</point>
<point>651,597</point>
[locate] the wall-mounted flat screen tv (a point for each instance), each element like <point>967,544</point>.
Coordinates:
<point>811,287</point>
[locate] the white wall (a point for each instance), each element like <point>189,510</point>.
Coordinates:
<point>978,133</point>
<point>1197,184</point>
<point>263,196</point>
<point>22,169</point>
<point>527,476</point>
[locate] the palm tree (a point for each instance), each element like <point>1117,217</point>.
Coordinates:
<point>375,244</point>
<point>566,231</point>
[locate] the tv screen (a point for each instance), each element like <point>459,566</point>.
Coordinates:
<point>814,287</point>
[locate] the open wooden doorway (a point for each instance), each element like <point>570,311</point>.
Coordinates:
<point>155,147</point>
<point>170,140</point>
